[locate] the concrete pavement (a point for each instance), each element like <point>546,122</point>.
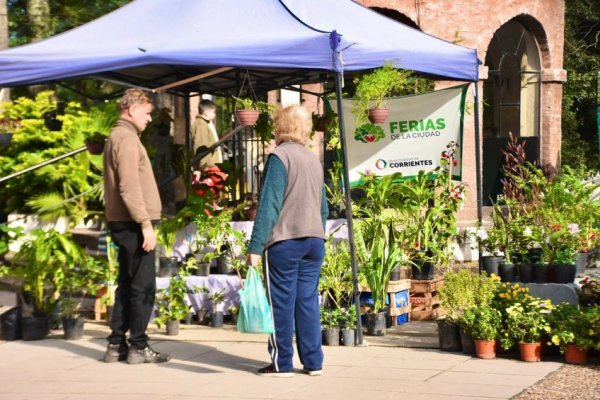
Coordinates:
<point>211,363</point>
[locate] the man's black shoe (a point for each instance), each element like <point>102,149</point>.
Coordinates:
<point>116,352</point>
<point>146,355</point>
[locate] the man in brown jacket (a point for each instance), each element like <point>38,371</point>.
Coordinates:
<point>132,204</point>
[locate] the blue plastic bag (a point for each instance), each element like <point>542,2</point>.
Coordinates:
<point>255,312</point>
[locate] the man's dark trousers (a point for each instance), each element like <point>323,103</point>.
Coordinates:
<point>136,286</point>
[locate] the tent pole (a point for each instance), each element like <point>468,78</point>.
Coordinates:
<point>478,163</point>
<point>356,293</point>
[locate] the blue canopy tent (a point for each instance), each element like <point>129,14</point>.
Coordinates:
<point>156,42</point>
<point>205,45</point>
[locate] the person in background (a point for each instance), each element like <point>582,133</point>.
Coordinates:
<point>204,133</point>
<point>132,205</point>
<point>290,231</point>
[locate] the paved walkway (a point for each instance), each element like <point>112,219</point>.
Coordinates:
<point>213,363</point>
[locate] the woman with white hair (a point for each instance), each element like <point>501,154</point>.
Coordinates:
<point>289,231</point>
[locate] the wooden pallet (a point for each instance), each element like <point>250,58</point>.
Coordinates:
<point>424,299</point>
<point>425,313</point>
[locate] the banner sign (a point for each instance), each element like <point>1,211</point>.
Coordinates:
<point>415,134</point>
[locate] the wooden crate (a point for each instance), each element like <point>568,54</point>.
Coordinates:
<point>425,313</point>
<point>424,299</point>
<point>393,288</point>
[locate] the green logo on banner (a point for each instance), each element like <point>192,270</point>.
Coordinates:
<point>369,133</point>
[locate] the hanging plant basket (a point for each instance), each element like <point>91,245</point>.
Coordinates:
<point>95,148</point>
<point>5,139</point>
<point>321,123</point>
<point>247,118</point>
<point>378,115</point>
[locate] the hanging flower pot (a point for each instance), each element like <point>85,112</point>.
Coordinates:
<point>378,115</point>
<point>5,139</point>
<point>95,148</point>
<point>321,123</point>
<point>247,118</point>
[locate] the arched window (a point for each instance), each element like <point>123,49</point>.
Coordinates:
<point>511,100</point>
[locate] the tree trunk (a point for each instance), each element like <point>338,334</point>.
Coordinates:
<point>38,12</point>
<point>5,92</point>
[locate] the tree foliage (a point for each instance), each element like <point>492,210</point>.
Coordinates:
<point>45,190</point>
<point>582,61</point>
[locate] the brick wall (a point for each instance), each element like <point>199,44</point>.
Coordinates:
<point>472,24</point>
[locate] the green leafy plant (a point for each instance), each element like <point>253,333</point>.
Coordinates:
<point>41,264</point>
<point>348,317</point>
<point>217,298</point>
<point>7,235</point>
<point>82,279</point>
<point>171,301</point>
<point>64,188</point>
<point>482,322</point>
<point>335,282</point>
<point>258,105</point>
<point>571,324</point>
<point>527,322</point>
<point>166,234</point>
<point>330,318</point>
<point>373,88</point>
<point>463,290</point>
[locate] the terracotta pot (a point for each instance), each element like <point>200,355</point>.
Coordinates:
<point>575,355</point>
<point>247,117</point>
<point>485,349</point>
<point>531,352</point>
<point>378,115</point>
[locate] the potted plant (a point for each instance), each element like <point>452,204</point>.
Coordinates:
<point>95,143</point>
<point>248,110</point>
<point>373,88</point>
<point>573,330</point>
<point>40,264</point>
<point>348,326</point>
<point>526,324</point>
<point>429,203</point>
<point>590,291</point>
<point>8,126</point>
<point>166,236</point>
<point>322,122</point>
<point>462,290</point>
<point>376,238</point>
<point>330,325</point>
<point>482,322</point>
<point>171,302</point>
<point>335,281</point>
<point>217,298</point>
<point>233,312</point>
<point>79,280</point>
<point>108,278</point>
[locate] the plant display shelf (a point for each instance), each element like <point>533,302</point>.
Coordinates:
<point>424,299</point>
<point>393,288</point>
